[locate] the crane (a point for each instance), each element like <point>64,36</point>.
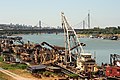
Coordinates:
<point>72,43</point>
<point>50,46</point>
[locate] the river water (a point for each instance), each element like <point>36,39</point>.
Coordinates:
<point>101,48</point>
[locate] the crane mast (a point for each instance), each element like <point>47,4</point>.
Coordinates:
<point>71,40</point>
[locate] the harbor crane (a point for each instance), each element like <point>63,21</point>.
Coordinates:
<point>74,53</point>
<point>72,43</point>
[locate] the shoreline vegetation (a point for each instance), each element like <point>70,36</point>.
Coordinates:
<point>99,32</point>
<point>82,35</point>
<point>96,31</point>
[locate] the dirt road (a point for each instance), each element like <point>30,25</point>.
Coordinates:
<point>13,75</point>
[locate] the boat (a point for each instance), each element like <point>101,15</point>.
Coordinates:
<point>111,38</point>
<point>114,38</point>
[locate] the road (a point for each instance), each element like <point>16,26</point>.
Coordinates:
<point>13,75</point>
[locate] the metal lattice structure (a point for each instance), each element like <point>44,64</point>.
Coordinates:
<point>73,48</point>
<point>114,58</point>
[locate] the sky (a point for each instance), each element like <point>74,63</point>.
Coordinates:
<point>103,13</point>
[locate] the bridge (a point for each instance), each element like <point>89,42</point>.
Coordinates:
<point>49,31</point>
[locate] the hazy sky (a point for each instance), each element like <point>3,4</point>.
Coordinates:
<point>103,12</point>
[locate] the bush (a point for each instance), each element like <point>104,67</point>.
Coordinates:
<point>73,75</point>
<point>1,59</point>
<point>46,73</point>
<point>21,66</point>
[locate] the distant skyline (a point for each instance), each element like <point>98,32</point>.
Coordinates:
<point>103,12</point>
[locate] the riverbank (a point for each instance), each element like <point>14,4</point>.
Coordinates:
<point>97,35</point>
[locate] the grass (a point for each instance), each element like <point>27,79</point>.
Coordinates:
<point>73,75</point>
<point>1,59</point>
<point>12,66</point>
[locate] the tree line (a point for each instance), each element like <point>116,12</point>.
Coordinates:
<point>97,30</point>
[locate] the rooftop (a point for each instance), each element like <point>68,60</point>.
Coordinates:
<point>38,66</point>
<point>85,54</point>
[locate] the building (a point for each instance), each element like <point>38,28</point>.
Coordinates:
<point>36,68</point>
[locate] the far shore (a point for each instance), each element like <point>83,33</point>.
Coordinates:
<point>99,35</point>
<point>84,35</point>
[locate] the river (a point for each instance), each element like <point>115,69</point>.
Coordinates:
<point>101,48</point>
